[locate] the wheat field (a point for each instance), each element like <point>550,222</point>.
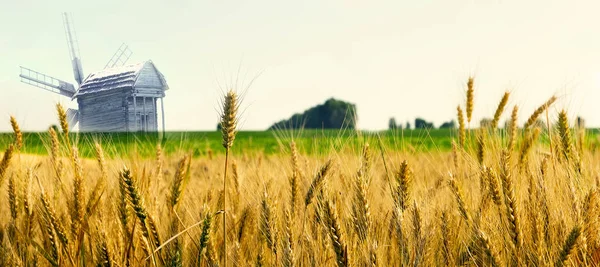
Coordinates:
<point>501,197</point>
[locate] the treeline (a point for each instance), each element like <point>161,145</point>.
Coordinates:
<point>421,123</point>
<point>333,114</point>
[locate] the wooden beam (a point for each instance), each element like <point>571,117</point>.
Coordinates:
<point>135,113</point>
<point>162,108</point>
<point>145,118</point>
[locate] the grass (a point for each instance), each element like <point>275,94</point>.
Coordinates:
<point>312,142</point>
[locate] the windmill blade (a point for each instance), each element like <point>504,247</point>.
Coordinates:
<point>120,57</point>
<point>73,48</point>
<point>46,82</point>
<point>72,117</point>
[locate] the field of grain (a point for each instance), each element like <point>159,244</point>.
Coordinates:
<point>520,196</point>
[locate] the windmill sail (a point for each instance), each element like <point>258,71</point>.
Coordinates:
<point>46,82</point>
<point>73,48</point>
<point>72,117</point>
<point>120,57</point>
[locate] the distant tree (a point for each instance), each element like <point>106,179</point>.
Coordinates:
<point>485,122</point>
<point>218,127</point>
<point>407,127</point>
<point>333,114</point>
<point>580,123</point>
<point>448,125</point>
<point>539,123</point>
<point>507,124</point>
<point>392,125</point>
<point>422,124</point>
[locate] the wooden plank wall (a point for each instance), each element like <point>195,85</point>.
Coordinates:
<point>134,121</point>
<point>104,111</point>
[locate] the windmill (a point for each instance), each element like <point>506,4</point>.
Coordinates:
<point>109,100</point>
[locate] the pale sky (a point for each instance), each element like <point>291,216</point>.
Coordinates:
<point>391,58</point>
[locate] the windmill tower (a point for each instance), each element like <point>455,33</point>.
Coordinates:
<point>119,98</point>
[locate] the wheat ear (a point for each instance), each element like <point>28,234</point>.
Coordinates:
<point>470,98</point>
<point>462,207</point>
<point>17,132</point>
<point>62,119</point>
<point>5,163</point>
<point>294,179</point>
<point>530,139</point>
<point>404,180</point>
<point>78,211</point>
<point>568,246</point>
<point>335,233</point>
<point>500,110</point>
<point>511,203</point>
<point>267,224</point>
<point>360,203</point>
<point>461,127</point>
<point>316,183</point>
<point>12,198</point>
<point>513,128</point>
<point>538,112</point>
<point>178,182</point>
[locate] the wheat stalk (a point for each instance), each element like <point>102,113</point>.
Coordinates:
<point>137,203</point>
<point>205,234</point>
<point>17,132</point>
<point>512,134</point>
<point>288,241</point>
<point>360,206</point>
<point>493,185</point>
<point>590,220</point>
<point>12,198</point>
<point>335,233</point>
<point>530,139</point>
<point>178,182</point>
<point>404,180</point>
<point>481,146</point>
<point>488,250</point>
<point>538,112</point>
<point>470,96</point>
<point>446,243</point>
<point>159,162</point>
<point>54,155</point>
<point>5,163</point>
<point>243,223</point>
<point>316,183</point>
<point>52,219</point>
<point>267,224</point>
<point>105,257</point>
<point>511,204</point>
<point>78,211</point>
<point>294,178</point>
<point>419,239</point>
<point>568,246</point>
<point>565,139</point>
<point>499,110</point>
<point>462,207</point>
<point>461,127</point>
<point>229,121</point>
<point>64,125</point>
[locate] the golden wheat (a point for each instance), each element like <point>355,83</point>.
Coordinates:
<point>544,211</point>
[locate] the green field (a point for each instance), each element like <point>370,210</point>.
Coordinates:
<point>267,142</point>
<point>312,142</point>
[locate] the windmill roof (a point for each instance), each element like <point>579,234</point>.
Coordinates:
<point>114,78</point>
